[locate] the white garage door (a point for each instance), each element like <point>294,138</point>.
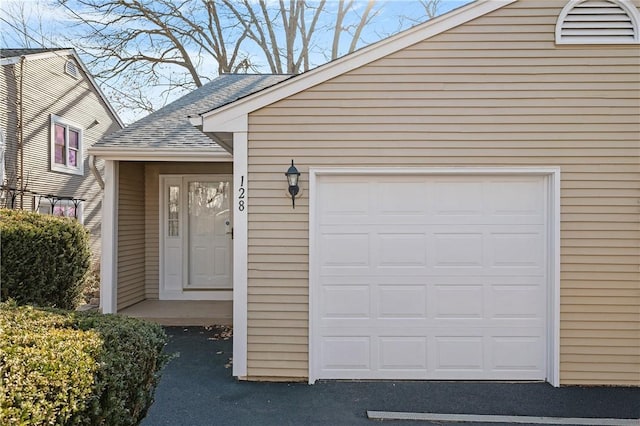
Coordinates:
<point>430,277</point>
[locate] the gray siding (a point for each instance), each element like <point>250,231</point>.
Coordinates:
<point>49,90</point>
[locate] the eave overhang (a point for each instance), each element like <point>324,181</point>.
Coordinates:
<point>165,154</point>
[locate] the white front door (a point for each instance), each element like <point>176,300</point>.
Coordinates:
<point>196,237</point>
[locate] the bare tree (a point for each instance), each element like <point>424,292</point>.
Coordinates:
<point>182,44</point>
<point>431,7</point>
<point>23,25</point>
<point>144,52</point>
<point>340,26</point>
<point>285,33</point>
<point>161,42</point>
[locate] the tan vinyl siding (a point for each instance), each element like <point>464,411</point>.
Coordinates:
<point>49,90</point>
<point>494,92</point>
<point>152,214</point>
<point>131,233</point>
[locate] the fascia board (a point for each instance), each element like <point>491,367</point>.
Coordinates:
<point>10,61</point>
<point>227,123</point>
<point>33,56</point>
<point>121,154</point>
<point>217,119</point>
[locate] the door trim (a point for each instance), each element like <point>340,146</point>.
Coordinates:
<point>182,294</point>
<point>553,232</point>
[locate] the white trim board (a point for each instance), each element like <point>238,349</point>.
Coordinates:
<point>162,155</point>
<point>240,249</point>
<point>109,257</point>
<point>229,118</point>
<point>553,272</point>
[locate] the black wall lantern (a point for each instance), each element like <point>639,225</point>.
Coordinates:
<point>292,177</point>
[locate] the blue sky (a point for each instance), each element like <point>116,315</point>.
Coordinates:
<point>49,26</point>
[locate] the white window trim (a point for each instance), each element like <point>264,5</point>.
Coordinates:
<point>553,273</point>
<point>626,5</point>
<point>46,203</point>
<point>79,170</point>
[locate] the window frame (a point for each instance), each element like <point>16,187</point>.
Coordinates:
<point>66,168</point>
<point>45,206</point>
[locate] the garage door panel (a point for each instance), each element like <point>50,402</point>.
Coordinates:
<point>391,204</point>
<point>449,285</point>
<point>403,353</point>
<point>345,250</point>
<point>457,249</point>
<point>346,353</point>
<point>402,301</point>
<point>434,298</point>
<point>516,353</point>
<point>400,249</point>
<point>459,301</point>
<point>458,353</point>
<point>458,198</point>
<point>516,302</point>
<point>517,249</point>
<point>346,301</point>
<point>345,201</point>
<point>517,197</point>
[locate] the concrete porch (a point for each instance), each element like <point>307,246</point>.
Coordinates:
<point>183,312</point>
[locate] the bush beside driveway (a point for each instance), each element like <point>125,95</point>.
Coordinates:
<point>64,367</point>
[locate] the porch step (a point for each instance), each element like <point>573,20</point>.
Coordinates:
<point>182,312</point>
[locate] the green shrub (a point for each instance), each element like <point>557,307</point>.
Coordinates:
<point>71,368</point>
<point>44,259</point>
<point>129,367</point>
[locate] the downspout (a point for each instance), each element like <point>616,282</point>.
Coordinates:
<point>21,131</point>
<point>94,170</point>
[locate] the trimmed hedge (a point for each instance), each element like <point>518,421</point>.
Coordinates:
<point>45,259</point>
<point>71,368</point>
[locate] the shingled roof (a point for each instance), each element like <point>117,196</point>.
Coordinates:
<point>12,53</point>
<point>170,128</point>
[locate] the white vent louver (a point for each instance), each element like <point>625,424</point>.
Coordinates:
<point>597,21</point>
<point>71,69</point>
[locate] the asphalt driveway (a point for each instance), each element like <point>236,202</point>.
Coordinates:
<point>197,389</point>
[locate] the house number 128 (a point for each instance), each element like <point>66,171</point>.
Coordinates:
<point>241,195</point>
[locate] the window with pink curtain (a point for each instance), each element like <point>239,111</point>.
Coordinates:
<point>60,157</point>
<point>67,147</point>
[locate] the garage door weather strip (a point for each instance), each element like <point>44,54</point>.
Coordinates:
<point>390,415</point>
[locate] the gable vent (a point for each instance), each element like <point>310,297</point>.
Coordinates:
<point>71,69</point>
<point>598,22</point>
